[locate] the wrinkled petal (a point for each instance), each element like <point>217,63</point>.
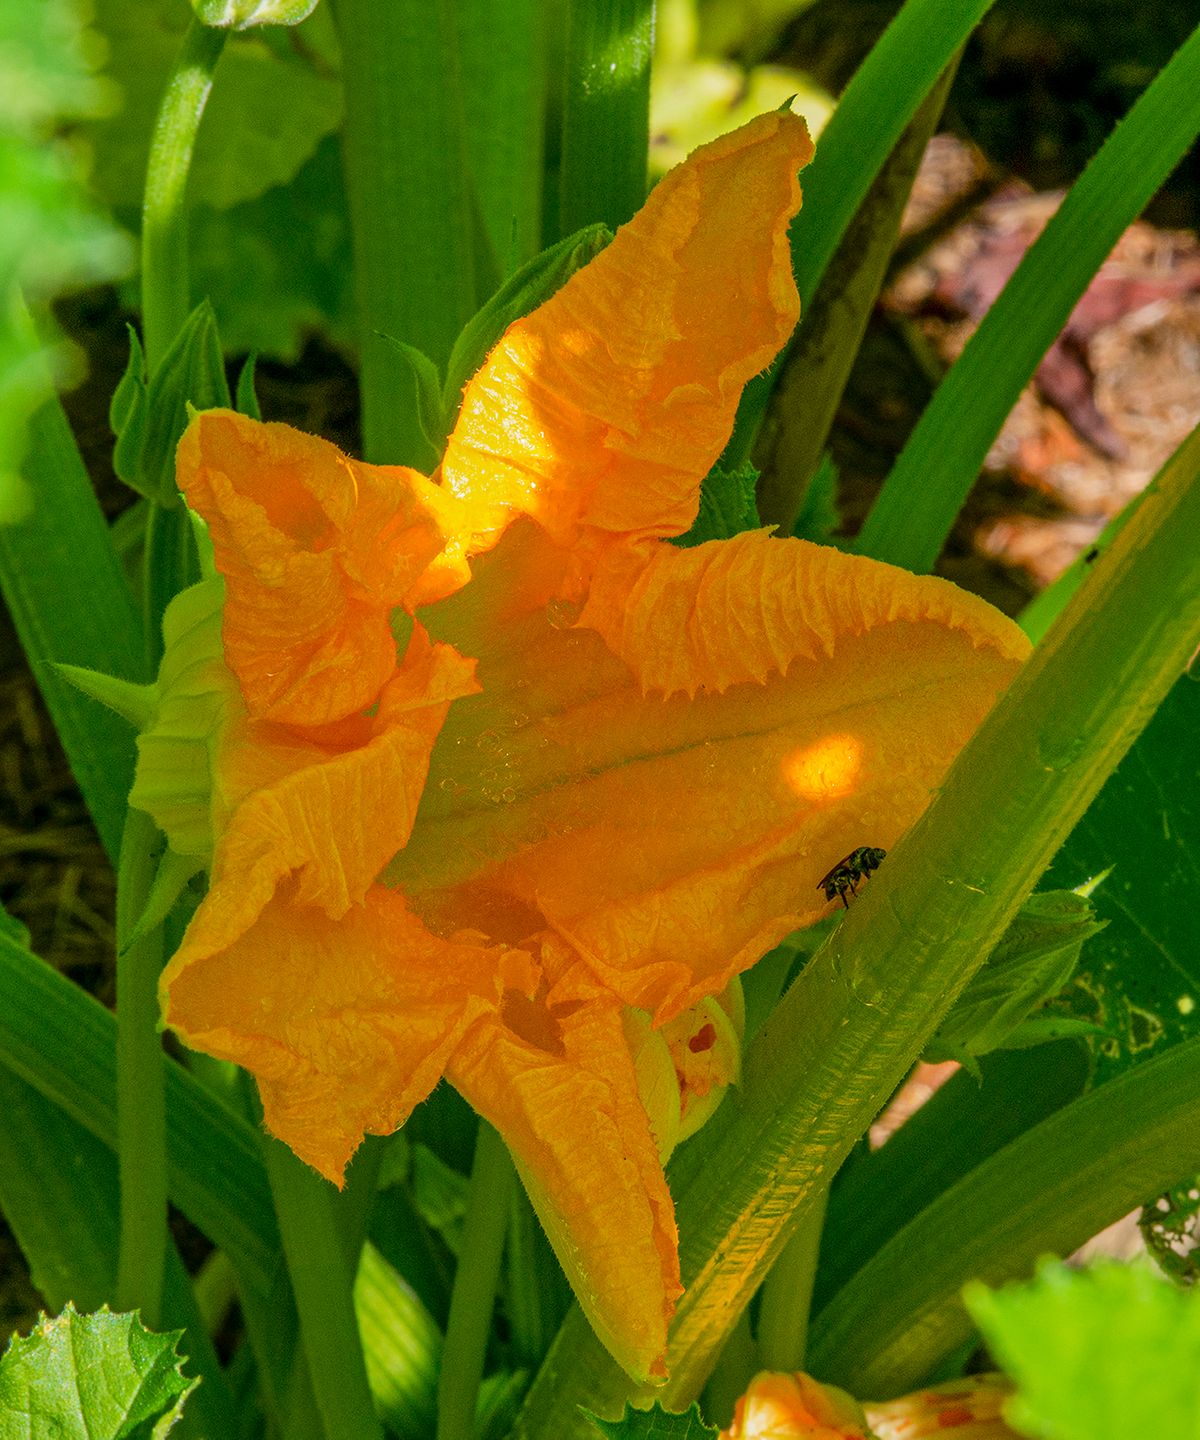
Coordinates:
<point>744,609</point>
<point>324,809</point>
<point>316,550</point>
<point>779,1406</point>
<point>608,404</point>
<point>346,1025</point>
<point>559,1085</point>
<point>670,841</point>
<point>970,1408</point>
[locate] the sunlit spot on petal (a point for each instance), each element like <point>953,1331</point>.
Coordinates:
<point>826,770</point>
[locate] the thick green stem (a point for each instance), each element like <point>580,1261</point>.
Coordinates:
<point>492,1180</point>
<point>170,563</point>
<point>410,204</point>
<point>141,1104</point>
<point>787,1296</point>
<point>314,1247</point>
<point>606,112</point>
<point>860,1013</point>
<point>165,292</point>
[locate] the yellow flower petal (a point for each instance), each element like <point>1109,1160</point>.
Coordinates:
<point>608,405</point>
<point>559,1085</point>
<point>745,609</point>
<point>795,1407</point>
<point>967,1409</point>
<point>670,841</point>
<point>346,1025</point>
<point>605,772</point>
<point>316,551</point>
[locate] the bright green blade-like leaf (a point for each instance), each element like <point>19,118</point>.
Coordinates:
<point>1100,1354</point>
<point>880,101</point>
<point>64,588</point>
<point>1145,825</point>
<point>953,1133</point>
<point>929,482</point>
<point>1050,1190</point>
<point>1140,978</point>
<point>655,1424</point>
<point>91,1377</point>
<point>606,112</point>
<point>58,1193</point>
<point>216,1175</point>
<point>402,1346</point>
<point>502,51</point>
<point>410,203</point>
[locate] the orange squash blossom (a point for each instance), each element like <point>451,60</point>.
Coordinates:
<point>477,762</point>
<point>779,1406</point>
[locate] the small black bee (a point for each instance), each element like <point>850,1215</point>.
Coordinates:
<point>846,874</point>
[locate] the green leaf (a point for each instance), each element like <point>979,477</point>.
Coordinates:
<point>1140,981</point>
<point>59,1195</point>
<point>819,516</point>
<point>880,101</point>
<point>411,208</point>
<point>655,1424</point>
<point>1049,1190</point>
<point>64,588</point>
<point>426,382</point>
<point>1171,1230</point>
<point>247,396</point>
<point>523,292</point>
<point>279,266</point>
<point>401,1344</point>
<point>1034,961</point>
<point>500,1396</point>
<point>91,1377</point>
<point>726,506</point>
<point>127,409</point>
<point>926,488</point>
<point>953,1133</point>
<point>501,49</point>
<point>192,374</point>
<point>439,1193</point>
<point>215,1172</point>
<point>605,138</point>
<point>1099,1354</point>
<point>268,110</point>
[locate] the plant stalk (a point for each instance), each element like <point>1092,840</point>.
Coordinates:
<point>141,1099</point>
<point>474,1294</point>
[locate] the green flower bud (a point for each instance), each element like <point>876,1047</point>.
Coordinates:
<point>246,14</point>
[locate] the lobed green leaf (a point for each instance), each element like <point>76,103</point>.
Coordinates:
<point>1098,1354</point>
<point>91,1377</point>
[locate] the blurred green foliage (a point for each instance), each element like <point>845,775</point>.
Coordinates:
<point>53,236</point>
